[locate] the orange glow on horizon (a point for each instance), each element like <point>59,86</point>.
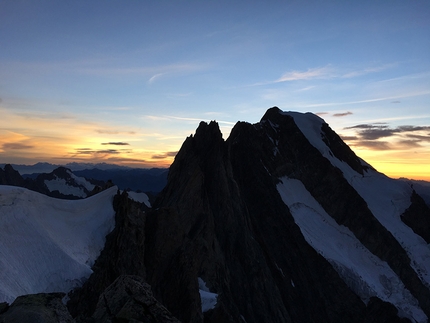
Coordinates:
<point>397,164</point>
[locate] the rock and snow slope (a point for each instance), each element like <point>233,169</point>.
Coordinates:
<point>386,198</point>
<point>47,244</point>
<point>365,273</point>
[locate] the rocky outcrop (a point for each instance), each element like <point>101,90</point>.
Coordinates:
<point>382,312</point>
<point>129,299</point>
<point>41,308</point>
<point>9,176</point>
<point>417,217</point>
<point>123,254</point>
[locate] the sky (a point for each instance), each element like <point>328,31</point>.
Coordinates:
<point>126,82</point>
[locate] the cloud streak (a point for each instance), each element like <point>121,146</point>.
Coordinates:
<point>343,114</point>
<point>402,137</point>
<point>116,143</point>
<point>325,73</point>
<point>165,155</point>
<point>16,146</point>
<point>311,73</point>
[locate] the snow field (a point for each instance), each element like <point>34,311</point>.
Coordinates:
<point>47,244</point>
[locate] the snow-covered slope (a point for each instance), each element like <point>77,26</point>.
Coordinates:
<point>386,198</point>
<point>49,244</point>
<point>365,273</point>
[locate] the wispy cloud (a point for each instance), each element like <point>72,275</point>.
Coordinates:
<point>116,143</point>
<point>16,146</point>
<point>367,70</point>
<point>114,132</point>
<point>154,77</point>
<point>342,114</point>
<point>165,155</point>
<point>324,73</point>
<point>311,73</point>
<point>154,72</point>
<point>373,145</point>
<point>388,98</point>
<point>401,137</point>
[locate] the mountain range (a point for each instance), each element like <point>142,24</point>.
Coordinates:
<point>281,222</point>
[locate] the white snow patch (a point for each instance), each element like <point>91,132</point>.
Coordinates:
<point>81,181</point>
<point>365,273</point>
<point>47,244</point>
<point>60,185</point>
<point>139,197</point>
<point>387,199</point>
<point>280,269</point>
<point>207,298</point>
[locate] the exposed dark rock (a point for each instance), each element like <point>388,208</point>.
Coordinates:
<point>222,219</point>
<point>123,254</point>
<point>417,216</point>
<point>3,307</point>
<point>382,312</point>
<point>129,299</point>
<point>40,308</point>
<point>341,150</point>
<point>9,176</point>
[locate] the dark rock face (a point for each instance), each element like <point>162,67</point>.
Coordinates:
<point>221,220</point>
<point>417,216</point>
<point>9,176</point>
<point>382,312</point>
<point>41,308</point>
<point>341,150</point>
<point>129,299</point>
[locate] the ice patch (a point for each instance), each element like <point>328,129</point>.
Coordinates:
<point>207,298</point>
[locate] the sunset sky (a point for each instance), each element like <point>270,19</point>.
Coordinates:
<point>127,81</point>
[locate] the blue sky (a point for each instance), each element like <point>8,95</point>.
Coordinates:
<point>127,81</point>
